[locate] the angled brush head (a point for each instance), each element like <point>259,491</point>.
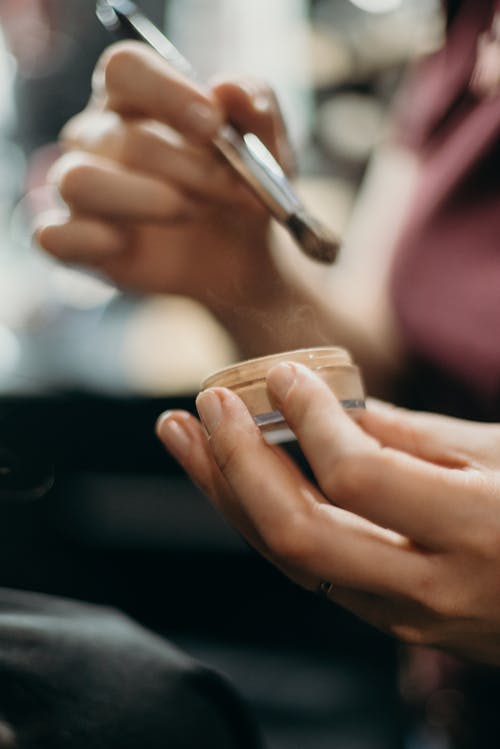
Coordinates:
<point>315,239</point>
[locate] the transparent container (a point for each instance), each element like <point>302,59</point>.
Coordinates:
<point>248,380</point>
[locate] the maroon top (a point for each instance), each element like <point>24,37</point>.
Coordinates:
<point>446,276</point>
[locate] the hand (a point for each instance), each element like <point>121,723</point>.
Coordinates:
<point>404,521</point>
<point>150,203</point>
<point>151,206</point>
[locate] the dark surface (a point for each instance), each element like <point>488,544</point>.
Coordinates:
<point>123,526</point>
<point>75,676</point>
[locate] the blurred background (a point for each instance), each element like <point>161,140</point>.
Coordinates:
<point>84,370</point>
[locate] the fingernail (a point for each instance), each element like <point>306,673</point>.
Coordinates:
<point>202,119</point>
<point>261,103</point>
<point>174,436</point>
<point>210,410</point>
<point>280,379</point>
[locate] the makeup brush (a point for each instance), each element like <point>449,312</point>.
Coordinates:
<point>246,154</point>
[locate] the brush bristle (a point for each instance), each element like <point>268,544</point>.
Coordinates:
<point>315,239</point>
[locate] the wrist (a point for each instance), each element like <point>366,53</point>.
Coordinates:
<point>246,271</point>
<point>269,315</point>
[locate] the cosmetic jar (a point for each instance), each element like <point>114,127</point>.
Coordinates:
<point>248,380</point>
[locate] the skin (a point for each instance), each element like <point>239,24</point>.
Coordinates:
<point>151,205</point>
<point>403,520</point>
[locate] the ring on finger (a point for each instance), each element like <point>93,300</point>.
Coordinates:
<point>325,588</point>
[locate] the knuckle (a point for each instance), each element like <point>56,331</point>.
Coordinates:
<point>425,590</point>
<point>290,542</point>
<point>229,454</point>
<point>436,597</point>
<point>353,475</point>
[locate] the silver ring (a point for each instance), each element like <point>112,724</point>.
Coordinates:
<point>325,588</point>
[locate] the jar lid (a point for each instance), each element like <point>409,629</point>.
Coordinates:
<point>256,369</point>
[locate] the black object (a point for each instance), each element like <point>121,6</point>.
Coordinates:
<point>26,467</point>
<point>24,474</point>
<point>39,435</point>
<point>76,676</point>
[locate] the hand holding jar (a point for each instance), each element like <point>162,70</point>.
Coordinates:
<point>402,527</point>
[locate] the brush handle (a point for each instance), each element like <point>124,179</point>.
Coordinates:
<point>255,163</point>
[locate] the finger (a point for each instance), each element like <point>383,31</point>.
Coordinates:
<point>314,413</point>
<point>297,529</point>
<point>183,436</point>
<point>417,499</point>
<point>140,82</point>
<point>252,107</point>
<point>78,238</point>
<point>185,439</point>
<point>155,149</point>
<point>93,185</point>
<point>98,88</point>
<point>440,439</point>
